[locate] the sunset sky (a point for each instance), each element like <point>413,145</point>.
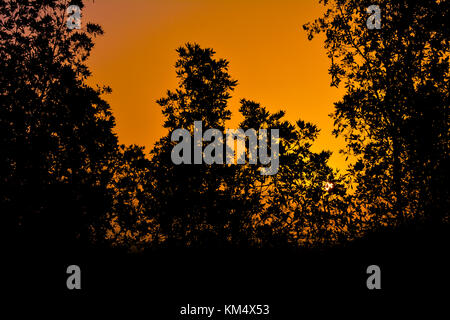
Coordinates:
<point>268,51</point>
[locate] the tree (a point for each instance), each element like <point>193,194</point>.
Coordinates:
<point>130,220</point>
<point>234,205</point>
<point>191,202</point>
<point>395,113</point>
<point>55,131</point>
<point>296,207</point>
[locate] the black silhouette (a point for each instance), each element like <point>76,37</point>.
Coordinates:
<point>69,194</point>
<point>65,179</point>
<point>56,139</point>
<point>395,113</point>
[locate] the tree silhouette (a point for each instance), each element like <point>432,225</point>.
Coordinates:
<point>223,205</point>
<point>188,200</point>
<point>296,208</point>
<point>63,175</point>
<point>395,113</point>
<point>55,131</point>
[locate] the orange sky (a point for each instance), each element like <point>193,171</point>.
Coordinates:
<point>264,41</point>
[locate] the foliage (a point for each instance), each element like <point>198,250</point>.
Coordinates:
<point>55,131</point>
<point>65,179</point>
<point>395,113</point>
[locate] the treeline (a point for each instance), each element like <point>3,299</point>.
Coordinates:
<point>64,178</point>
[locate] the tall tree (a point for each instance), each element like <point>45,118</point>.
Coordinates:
<point>304,204</point>
<point>190,201</point>
<point>395,113</point>
<point>221,204</point>
<point>55,131</point>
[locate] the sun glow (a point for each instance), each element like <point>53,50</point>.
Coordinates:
<point>328,186</point>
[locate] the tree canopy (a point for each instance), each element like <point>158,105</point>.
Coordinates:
<point>64,177</point>
<point>395,113</point>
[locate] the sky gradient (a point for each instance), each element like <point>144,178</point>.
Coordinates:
<point>263,40</point>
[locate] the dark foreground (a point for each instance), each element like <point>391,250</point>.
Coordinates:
<point>414,271</point>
